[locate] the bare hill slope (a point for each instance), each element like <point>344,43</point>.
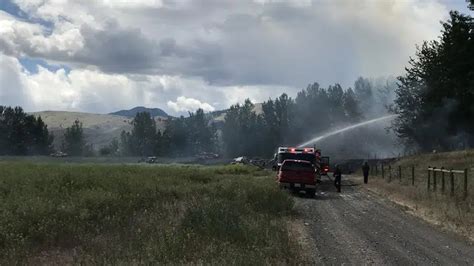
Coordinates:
<point>99,129</point>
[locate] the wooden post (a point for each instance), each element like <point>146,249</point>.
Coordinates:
<point>442,179</point>
<point>452,182</point>
<point>465,183</point>
<point>383,172</point>
<point>376,169</point>
<point>389,173</point>
<point>429,177</point>
<point>400,173</point>
<point>434,179</point>
<point>412,175</point>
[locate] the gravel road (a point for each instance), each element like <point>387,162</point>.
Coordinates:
<point>359,227</point>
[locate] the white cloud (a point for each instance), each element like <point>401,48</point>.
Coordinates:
<point>91,90</point>
<point>22,38</point>
<point>215,53</point>
<point>234,43</point>
<point>80,90</point>
<point>133,3</point>
<point>184,104</point>
<point>12,90</point>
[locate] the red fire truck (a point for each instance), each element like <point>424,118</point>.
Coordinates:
<point>290,161</point>
<point>311,155</point>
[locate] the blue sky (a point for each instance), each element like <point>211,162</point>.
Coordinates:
<point>31,65</point>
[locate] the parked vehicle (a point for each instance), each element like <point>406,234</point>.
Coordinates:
<point>150,159</point>
<point>240,160</point>
<point>311,155</point>
<point>298,175</point>
<point>207,156</point>
<point>59,154</point>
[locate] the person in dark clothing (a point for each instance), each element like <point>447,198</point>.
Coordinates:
<point>365,171</point>
<point>337,177</point>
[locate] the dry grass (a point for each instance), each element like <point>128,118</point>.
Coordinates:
<point>454,213</point>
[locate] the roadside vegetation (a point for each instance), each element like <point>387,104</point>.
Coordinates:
<point>454,213</point>
<point>63,213</point>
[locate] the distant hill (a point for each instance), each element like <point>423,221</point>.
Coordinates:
<point>219,116</point>
<point>132,112</point>
<point>99,129</point>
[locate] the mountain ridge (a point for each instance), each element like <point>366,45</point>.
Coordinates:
<point>132,112</point>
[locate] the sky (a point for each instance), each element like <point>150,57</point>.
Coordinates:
<point>105,55</point>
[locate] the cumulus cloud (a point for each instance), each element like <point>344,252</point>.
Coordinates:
<point>183,104</point>
<point>78,90</point>
<point>20,38</point>
<point>244,43</point>
<point>11,84</point>
<point>220,52</point>
<point>91,90</point>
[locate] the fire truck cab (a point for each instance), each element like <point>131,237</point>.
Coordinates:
<point>305,154</point>
<point>311,155</point>
<point>298,168</point>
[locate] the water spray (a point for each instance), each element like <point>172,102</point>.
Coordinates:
<point>335,132</point>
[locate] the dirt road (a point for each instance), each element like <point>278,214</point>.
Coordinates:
<point>358,227</point>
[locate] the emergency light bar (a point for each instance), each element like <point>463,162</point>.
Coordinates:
<point>295,150</point>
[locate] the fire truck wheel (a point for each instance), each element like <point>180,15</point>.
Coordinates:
<point>310,193</point>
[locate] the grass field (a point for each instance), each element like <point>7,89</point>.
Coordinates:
<point>453,213</point>
<point>126,214</point>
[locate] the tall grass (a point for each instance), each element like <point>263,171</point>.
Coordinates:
<point>59,213</point>
<point>452,212</point>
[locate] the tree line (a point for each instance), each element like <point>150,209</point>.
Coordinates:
<point>182,136</point>
<point>244,131</point>
<point>287,121</point>
<point>435,98</point>
<point>23,134</point>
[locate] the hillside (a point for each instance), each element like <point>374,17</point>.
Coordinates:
<point>219,116</point>
<point>132,112</point>
<point>99,129</point>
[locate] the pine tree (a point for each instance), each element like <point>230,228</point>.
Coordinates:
<point>434,98</point>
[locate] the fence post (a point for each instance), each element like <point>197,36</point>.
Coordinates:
<point>434,178</point>
<point>412,175</point>
<point>376,169</point>
<point>383,173</point>
<point>452,183</point>
<point>400,173</point>
<point>465,183</point>
<point>442,179</point>
<point>429,177</point>
<point>389,173</point>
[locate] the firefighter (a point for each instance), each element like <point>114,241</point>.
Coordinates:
<point>365,171</point>
<point>337,177</point>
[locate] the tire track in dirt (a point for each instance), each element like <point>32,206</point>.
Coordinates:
<point>357,227</point>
